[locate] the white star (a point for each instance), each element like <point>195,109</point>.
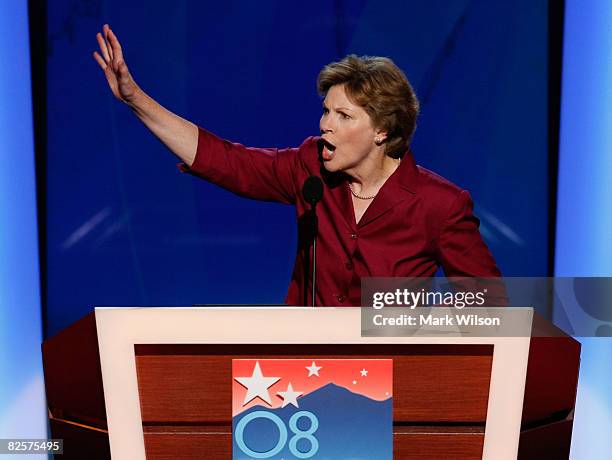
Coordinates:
<point>257,385</point>
<point>354,382</point>
<point>364,373</point>
<point>313,369</point>
<point>290,396</point>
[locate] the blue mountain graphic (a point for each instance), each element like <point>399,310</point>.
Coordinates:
<point>351,426</point>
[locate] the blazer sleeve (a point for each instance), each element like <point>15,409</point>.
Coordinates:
<point>261,174</point>
<point>461,249</point>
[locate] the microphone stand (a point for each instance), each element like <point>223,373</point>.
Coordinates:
<point>315,231</point>
<point>313,192</point>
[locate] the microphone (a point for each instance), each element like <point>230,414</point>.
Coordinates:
<point>313,192</point>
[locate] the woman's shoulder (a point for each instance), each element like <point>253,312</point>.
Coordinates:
<point>439,195</point>
<point>430,182</point>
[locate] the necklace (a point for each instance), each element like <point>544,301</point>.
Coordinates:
<point>359,196</point>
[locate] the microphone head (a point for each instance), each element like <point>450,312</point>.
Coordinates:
<point>313,190</point>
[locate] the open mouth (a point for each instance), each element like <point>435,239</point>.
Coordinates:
<point>328,150</point>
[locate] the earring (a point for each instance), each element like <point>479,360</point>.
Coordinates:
<point>377,140</point>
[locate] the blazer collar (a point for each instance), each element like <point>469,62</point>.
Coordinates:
<point>407,174</point>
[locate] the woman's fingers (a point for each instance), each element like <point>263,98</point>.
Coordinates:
<point>105,30</point>
<point>110,60</point>
<point>99,60</point>
<point>109,45</point>
<point>115,45</point>
<point>103,47</point>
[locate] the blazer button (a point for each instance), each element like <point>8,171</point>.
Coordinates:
<point>349,265</point>
<point>341,298</point>
<point>353,236</point>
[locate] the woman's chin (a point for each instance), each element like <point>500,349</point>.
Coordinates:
<point>331,165</point>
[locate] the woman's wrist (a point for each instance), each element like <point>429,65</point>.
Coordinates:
<point>134,101</point>
<point>142,105</point>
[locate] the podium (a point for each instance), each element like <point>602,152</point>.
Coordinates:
<point>155,383</point>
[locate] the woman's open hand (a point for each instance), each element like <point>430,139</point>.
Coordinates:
<point>178,134</point>
<point>115,69</point>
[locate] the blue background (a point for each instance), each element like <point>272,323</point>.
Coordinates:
<point>583,245</point>
<point>23,412</point>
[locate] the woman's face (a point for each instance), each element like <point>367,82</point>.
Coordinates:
<point>347,131</point>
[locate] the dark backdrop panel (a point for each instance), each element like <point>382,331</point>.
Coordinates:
<point>124,227</point>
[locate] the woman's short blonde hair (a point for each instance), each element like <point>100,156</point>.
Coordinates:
<point>381,88</point>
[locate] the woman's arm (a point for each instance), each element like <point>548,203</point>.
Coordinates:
<point>461,249</point>
<point>176,133</point>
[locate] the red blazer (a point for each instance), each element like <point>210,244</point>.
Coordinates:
<point>418,222</point>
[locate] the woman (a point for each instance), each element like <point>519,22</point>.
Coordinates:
<point>380,215</point>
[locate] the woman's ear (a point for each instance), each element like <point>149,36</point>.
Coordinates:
<point>380,137</point>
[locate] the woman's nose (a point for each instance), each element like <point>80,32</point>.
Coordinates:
<point>325,126</point>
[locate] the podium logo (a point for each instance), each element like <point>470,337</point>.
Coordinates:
<point>312,408</point>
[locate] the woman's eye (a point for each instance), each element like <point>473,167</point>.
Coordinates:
<point>325,111</point>
<point>344,115</point>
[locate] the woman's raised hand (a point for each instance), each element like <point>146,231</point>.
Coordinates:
<point>178,134</point>
<point>115,69</point>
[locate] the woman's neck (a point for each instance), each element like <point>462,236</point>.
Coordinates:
<point>371,176</point>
